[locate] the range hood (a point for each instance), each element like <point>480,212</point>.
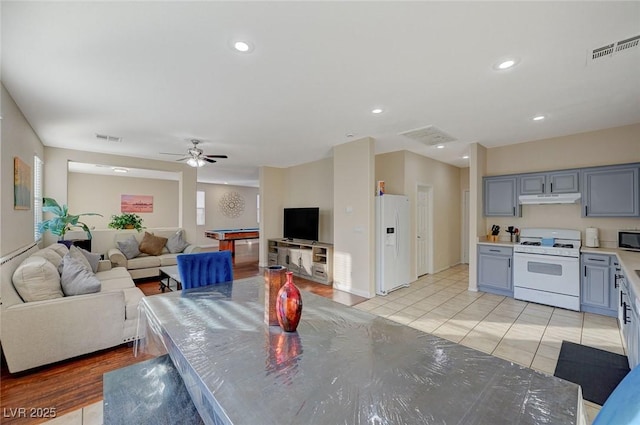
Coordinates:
<point>559,198</point>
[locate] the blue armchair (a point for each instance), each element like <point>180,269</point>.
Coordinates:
<point>204,268</point>
<point>623,405</point>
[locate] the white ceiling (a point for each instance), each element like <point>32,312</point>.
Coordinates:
<point>160,73</point>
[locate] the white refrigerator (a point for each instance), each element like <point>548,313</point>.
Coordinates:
<point>392,243</point>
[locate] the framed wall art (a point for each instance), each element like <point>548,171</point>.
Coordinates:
<point>21,185</point>
<point>136,203</point>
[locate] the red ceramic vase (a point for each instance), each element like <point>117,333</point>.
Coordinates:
<point>289,305</point>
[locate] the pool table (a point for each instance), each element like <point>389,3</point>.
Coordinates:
<point>228,237</point>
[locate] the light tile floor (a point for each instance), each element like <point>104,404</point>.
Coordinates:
<point>525,333</point>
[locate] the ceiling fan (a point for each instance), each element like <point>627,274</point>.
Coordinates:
<point>195,156</point>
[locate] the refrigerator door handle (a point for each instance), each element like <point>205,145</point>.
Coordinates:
<point>397,233</point>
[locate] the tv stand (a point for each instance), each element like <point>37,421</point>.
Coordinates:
<point>309,259</point>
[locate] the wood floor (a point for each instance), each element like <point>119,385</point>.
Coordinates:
<point>69,385</point>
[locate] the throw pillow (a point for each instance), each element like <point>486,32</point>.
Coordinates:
<point>129,247</point>
<point>76,279</point>
<point>151,244</point>
<point>51,255</point>
<point>93,259</point>
<point>77,254</point>
<point>36,279</point>
<point>176,242</point>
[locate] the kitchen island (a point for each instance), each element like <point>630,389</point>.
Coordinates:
<point>343,365</point>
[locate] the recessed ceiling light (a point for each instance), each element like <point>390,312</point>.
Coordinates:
<point>506,64</point>
<point>242,46</point>
<point>119,170</point>
<point>538,118</point>
<point>440,146</point>
<point>376,111</point>
<point>465,157</point>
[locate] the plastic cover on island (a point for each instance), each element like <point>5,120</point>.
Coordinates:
<point>341,366</point>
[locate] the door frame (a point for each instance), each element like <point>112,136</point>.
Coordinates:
<point>428,189</point>
<point>465,235</point>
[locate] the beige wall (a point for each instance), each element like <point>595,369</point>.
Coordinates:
<point>402,172</point>
<point>311,185</point>
<point>611,146</point>
<point>604,147</point>
<point>17,139</point>
<point>215,219</point>
<point>464,179</point>
<point>354,220</point>
<point>101,194</point>
<point>57,180</point>
<point>272,184</point>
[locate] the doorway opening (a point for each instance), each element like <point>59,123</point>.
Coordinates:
<point>424,230</point>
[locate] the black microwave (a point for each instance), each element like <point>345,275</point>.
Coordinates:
<point>629,240</point>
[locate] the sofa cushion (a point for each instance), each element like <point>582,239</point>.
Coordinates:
<point>51,255</point>
<point>93,259</point>
<point>152,244</point>
<point>36,279</point>
<point>176,242</point>
<point>60,248</point>
<point>76,278</point>
<point>129,247</point>
<point>143,261</point>
<point>117,284</point>
<point>76,254</point>
<point>168,260</point>
<point>114,273</point>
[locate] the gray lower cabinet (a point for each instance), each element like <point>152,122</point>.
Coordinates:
<point>598,285</point>
<point>552,182</point>
<point>501,197</point>
<point>495,271</point>
<point>611,191</point>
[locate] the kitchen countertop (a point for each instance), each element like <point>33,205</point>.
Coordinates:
<point>498,243</point>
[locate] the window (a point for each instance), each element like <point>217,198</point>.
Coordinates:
<point>200,208</point>
<point>37,198</point>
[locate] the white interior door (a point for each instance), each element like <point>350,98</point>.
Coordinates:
<point>465,227</point>
<point>423,230</point>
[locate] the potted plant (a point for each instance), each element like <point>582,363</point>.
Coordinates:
<point>126,221</point>
<point>62,221</point>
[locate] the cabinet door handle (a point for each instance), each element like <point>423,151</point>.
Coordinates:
<point>509,266</point>
<point>586,211</point>
<point>621,295</point>
<point>494,250</point>
<point>585,271</point>
<point>596,259</point>
<point>542,187</point>
<point>551,187</point>
<point>625,318</point>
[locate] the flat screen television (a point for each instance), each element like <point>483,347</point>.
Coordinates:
<point>301,223</point>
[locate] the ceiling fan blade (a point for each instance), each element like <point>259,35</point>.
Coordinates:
<point>209,160</point>
<point>182,159</point>
<point>169,153</point>
<point>216,156</point>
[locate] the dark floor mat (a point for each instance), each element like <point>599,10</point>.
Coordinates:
<point>598,372</point>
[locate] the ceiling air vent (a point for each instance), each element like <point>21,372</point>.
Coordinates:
<point>613,48</point>
<point>107,138</point>
<point>428,135</point>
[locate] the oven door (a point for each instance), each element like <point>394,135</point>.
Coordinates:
<point>549,273</point>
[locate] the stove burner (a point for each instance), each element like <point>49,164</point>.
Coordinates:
<point>530,243</point>
<point>563,245</point>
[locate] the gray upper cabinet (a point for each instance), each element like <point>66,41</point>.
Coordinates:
<point>500,196</point>
<point>611,191</point>
<point>553,182</point>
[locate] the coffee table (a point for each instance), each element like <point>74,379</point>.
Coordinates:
<point>167,274</point>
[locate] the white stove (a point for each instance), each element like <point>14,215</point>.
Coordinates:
<point>560,242</point>
<point>546,267</point>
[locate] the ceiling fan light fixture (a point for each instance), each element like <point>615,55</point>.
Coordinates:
<point>196,162</point>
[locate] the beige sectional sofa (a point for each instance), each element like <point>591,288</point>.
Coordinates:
<point>145,265</point>
<point>43,331</point>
